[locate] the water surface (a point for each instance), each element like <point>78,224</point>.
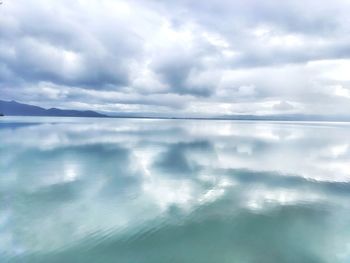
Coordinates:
<point>129,190</point>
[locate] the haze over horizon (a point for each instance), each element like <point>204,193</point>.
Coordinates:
<point>185,57</point>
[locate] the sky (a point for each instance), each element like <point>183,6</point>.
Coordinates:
<point>177,58</point>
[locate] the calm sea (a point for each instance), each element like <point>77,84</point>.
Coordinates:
<point>158,191</point>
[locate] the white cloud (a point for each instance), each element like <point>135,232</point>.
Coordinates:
<point>157,56</point>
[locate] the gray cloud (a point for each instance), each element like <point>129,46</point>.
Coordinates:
<point>283,106</point>
<point>193,57</point>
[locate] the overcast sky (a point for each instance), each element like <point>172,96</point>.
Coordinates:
<point>177,57</point>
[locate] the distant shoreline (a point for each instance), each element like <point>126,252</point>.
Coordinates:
<point>191,118</point>
<point>13,108</point>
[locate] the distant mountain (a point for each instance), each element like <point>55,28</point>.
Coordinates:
<point>13,108</point>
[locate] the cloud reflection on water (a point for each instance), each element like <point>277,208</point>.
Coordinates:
<point>96,184</point>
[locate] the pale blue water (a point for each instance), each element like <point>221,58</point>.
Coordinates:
<point>139,191</point>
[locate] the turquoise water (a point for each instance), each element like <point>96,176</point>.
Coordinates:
<point>134,191</point>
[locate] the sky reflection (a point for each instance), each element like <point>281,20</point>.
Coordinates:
<point>110,189</point>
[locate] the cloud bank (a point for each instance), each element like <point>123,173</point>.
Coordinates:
<point>177,58</point>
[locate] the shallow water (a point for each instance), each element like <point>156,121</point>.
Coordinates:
<point>128,190</point>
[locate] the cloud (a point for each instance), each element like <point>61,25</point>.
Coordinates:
<point>198,58</point>
<point>283,106</point>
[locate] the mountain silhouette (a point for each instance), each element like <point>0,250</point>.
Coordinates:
<point>13,108</point>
